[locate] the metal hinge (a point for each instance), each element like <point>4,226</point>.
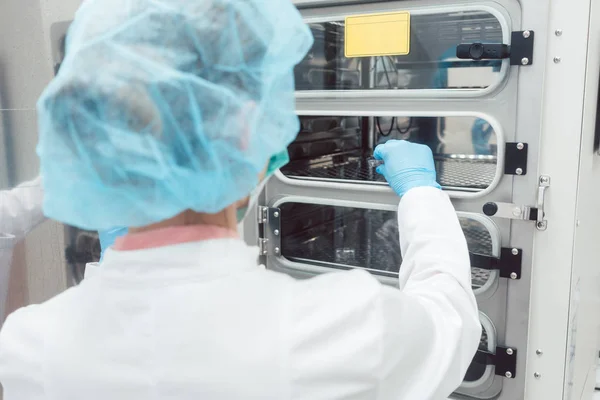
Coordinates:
<point>509,263</point>
<point>527,213</point>
<point>515,158</point>
<point>505,361</point>
<point>520,50</point>
<point>269,238</point>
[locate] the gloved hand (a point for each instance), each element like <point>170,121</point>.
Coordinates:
<point>406,165</point>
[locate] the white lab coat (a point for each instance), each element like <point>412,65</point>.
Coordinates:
<point>203,321</point>
<point>20,212</point>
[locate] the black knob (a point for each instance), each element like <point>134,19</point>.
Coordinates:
<point>476,51</point>
<point>490,209</point>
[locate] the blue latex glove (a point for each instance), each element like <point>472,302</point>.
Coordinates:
<point>107,238</point>
<point>406,165</point>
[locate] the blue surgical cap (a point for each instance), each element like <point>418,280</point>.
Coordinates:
<point>161,106</point>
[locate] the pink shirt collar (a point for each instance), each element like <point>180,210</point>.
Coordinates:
<point>171,236</point>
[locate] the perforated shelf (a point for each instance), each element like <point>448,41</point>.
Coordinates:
<point>458,173</point>
<point>345,238</point>
<point>483,343</point>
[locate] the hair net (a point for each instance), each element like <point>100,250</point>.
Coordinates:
<point>166,105</point>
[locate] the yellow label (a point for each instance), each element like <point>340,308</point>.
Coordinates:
<point>378,35</point>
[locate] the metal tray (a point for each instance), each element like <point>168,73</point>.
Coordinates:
<point>470,173</point>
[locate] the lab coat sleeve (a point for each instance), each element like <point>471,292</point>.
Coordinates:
<point>21,355</point>
<point>21,209</point>
<point>7,243</point>
<point>354,338</point>
<point>436,276</point>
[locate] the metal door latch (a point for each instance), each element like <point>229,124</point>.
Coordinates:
<point>269,237</point>
<point>509,263</point>
<point>505,361</point>
<point>515,158</point>
<point>520,51</point>
<point>527,213</point>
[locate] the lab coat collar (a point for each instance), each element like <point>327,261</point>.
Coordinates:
<point>209,258</point>
<point>171,236</point>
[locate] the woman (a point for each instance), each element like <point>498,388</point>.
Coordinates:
<point>169,117</point>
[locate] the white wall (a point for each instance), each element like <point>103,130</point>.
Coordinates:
<point>56,11</point>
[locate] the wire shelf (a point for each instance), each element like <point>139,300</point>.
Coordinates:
<point>484,342</point>
<point>479,241</point>
<point>461,173</point>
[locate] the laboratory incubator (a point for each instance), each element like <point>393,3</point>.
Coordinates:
<point>328,209</point>
<point>505,93</point>
<point>483,85</point>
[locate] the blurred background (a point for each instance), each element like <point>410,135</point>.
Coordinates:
<point>26,66</point>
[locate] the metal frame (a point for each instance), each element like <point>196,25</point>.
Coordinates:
<point>281,263</point>
<point>497,106</point>
<point>543,311</point>
<point>563,316</point>
<point>335,12</point>
<point>496,125</point>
